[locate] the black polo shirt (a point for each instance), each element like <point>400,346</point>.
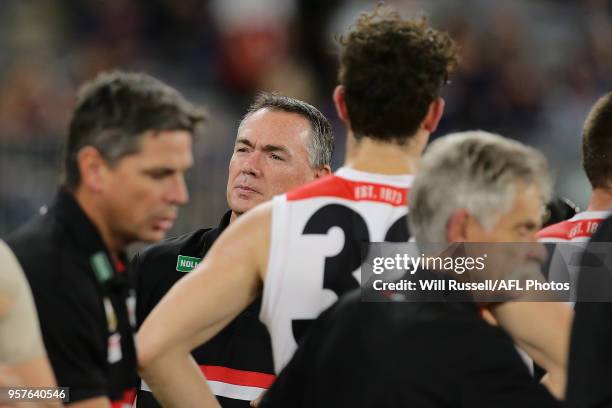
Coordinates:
<point>590,359</point>
<point>81,299</point>
<point>417,354</point>
<point>238,361</point>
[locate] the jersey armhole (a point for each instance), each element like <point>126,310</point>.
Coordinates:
<point>274,272</point>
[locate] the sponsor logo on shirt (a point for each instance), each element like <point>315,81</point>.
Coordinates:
<point>101,266</point>
<point>186,263</point>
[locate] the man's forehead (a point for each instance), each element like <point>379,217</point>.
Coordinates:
<point>159,138</point>
<point>163,148</point>
<point>274,113</point>
<point>274,126</point>
<point>527,203</point>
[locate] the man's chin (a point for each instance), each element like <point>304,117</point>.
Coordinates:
<point>240,205</point>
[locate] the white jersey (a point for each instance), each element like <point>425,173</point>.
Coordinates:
<point>316,247</point>
<point>579,228</point>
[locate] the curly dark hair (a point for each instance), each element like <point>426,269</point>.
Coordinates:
<point>392,69</point>
<point>597,143</point>
<point>115,109</point>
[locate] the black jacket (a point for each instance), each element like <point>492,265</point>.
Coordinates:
<point>81,299</point>
<point>239,358</point>
<point>590,362</point>
<point>412,354</point>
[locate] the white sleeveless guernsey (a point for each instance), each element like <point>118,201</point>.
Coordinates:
<point>315,247</point>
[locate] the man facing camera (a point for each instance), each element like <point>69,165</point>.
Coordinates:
<point>281,143</point>
<point>301,251</point>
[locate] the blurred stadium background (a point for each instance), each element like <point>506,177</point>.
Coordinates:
<point>530,70</point>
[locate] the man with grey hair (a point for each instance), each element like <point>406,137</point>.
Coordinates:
<point>471,187</point>
<point>297,143</point>
<point>301,251</point>
<point>472,179</point>
<point>479,187</point>
<point>281,143</point>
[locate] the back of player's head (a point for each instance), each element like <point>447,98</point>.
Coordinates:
<point>476,171</point>
<point>322,136</point>
<point>392,69</point>
<point>115,109</point>
<point>597,143</point>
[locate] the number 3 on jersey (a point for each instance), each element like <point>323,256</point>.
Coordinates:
<point>337,275</point>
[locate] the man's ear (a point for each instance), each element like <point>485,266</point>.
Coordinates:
<point>457,226</point>
<point>340,103</point>
<point>322,171</point>
<point>92,168</point>
<point>434,114</point>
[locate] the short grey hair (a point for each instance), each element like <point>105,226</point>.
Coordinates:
<point>321,144</point>
<point>476,171</point>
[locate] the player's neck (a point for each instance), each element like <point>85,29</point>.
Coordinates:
<point>601,200</point>
<point>373,156</point>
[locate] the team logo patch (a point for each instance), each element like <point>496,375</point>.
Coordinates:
<point>186,263</point>
<point>101,266</point>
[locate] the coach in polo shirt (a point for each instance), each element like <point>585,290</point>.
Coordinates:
<point>128,147</point>
<point>281,143</point>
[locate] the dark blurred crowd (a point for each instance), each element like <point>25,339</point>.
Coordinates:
<point>530,70</point>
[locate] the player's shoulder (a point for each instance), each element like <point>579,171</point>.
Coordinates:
<point>578,228</point>
<point>6,255</point>
<point>556,232</point>
<point>10,278</point>
<point>330,185</point>
<point>357,186</point>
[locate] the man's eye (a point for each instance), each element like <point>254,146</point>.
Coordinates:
<point>157,176</point>
<point>277,157</point>
<point>528,229</point>
<point>241,149</point>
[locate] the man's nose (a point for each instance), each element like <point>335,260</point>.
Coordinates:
<point>252,165</point>
<point>177,191</point>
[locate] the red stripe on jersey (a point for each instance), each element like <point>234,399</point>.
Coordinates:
<point>334,186</point>
<point>120,266</point>
<point>237,377</point>
<point>569,230</point>
<point>126,400</point>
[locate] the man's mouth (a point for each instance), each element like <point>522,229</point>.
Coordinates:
<point>164,223</point>
<point>246,189</point>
